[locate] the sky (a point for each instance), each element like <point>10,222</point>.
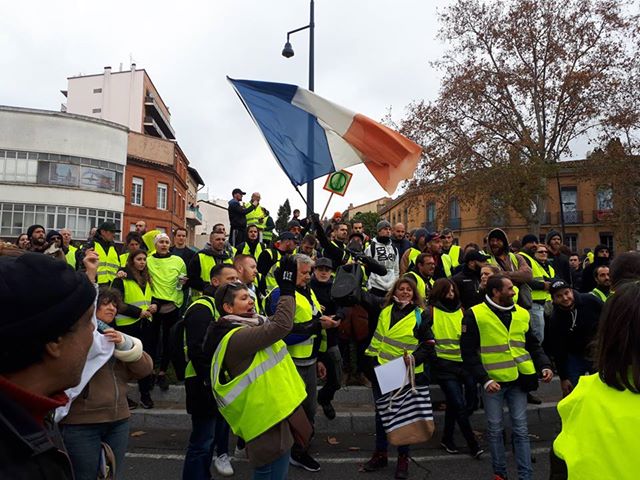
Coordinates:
<point>372,56</point>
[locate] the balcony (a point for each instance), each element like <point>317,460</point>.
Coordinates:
<point>454,223</point>
<point>156,122</point>
<point>602,216</point>
<point>571,217</point>
<point>194,216</point>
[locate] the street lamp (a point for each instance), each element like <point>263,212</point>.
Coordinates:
<point>287,52</point>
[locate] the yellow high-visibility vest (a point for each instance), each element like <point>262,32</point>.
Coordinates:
<point>164,277</point>
<point>208,302</point>
<point>109,263</point>
<point>256,217</point>
<point>305,311</point>
<point>71,256</point>
<point>541,274</point>
<point>421,284</point>
<point>447,329</point>
<point>134,295</point>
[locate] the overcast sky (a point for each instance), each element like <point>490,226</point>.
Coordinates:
<point>371,55</point>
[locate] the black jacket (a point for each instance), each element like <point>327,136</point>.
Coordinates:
<point>238,214</point>
<point>588,280</point>
<point>572,331</point>
<point>401,245</point>
<point>560,264</point>
<point>470,347</point>
<point>468,283</point>
<point>27,450</point>
<point>323,294</point>
<point>185,253</point>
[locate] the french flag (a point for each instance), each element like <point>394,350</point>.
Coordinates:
<point>312,137</point>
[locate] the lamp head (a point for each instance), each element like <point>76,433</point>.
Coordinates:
<point>287,51</point>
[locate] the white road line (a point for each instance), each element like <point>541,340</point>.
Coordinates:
<point>355,460</point>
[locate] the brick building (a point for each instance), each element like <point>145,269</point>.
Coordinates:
<point>587,209</point>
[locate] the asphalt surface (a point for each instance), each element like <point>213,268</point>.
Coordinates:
<point>158,455</point>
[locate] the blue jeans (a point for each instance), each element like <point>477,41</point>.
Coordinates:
<point>83,443</point>
<point>197,461</point>
<point>516,399</point>
<point>459,408</point>
<point>537,321</point>
<point>276,470</point>
<point>577,366</point>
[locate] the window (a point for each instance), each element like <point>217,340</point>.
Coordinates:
<point>454,214</point>
<point>604,199</point>
<point>162,196</point>
<point>96,110</point>
<point>569,197</point>
<point>606,238</point>
<point>132,227</point>
<point>431,216</point>
<point>97,90</point>
<point>136,191</point>
<point>571,241</point>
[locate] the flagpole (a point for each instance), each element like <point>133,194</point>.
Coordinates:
<point>310,193</point>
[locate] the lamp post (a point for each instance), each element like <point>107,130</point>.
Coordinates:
<point>287,52</point>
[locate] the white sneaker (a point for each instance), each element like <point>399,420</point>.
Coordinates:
<point>239,453</point>
<point>223,465</point>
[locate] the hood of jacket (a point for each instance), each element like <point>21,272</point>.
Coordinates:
<point>499,233</point>
<point>550,235</point>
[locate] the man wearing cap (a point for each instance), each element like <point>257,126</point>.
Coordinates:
<point>572,327</point>
<point>468,280</point>
<point>46,329</point>
<point>103,245</point>
<point>37,239</point>
<point>238,216</point>
<point>382,250</point>
<point>557,259</point>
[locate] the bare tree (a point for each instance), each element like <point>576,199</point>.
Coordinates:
<point>522,81</point>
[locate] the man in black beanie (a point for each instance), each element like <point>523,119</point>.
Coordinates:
<point>46,330</point>
<point>559,261</point>
<point>37,240</point>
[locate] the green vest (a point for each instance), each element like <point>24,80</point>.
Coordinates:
<point>447,329</point>
<point>108,265</point>
<point>256,216</point>
<point>262,396</point>
<point>539,273</point>
<point>389,343</point>
<point>123,259</point>
<point>599,437</point>
<point>208,302</point>
<point>164,275</point>
<point>502,351</point>
<point>134,295</point>
<point>71,256</point>
<point>420,283</point>
<point>305,312</point>
<point>600,294</point>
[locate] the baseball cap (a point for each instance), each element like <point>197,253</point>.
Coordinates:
<point>237,190</point>
<point>476,255</point>
<point>432,236</point>
<point>287,236</point>
<point>108,227</point>
<point>324,262</point>
<point>557,286</point>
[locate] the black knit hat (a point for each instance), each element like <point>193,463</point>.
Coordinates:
<point>32,229</point>
<point>41,297</point>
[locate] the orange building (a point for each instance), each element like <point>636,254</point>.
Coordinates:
<point>587,210</point>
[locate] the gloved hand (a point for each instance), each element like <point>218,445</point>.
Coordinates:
<point>286,275</point>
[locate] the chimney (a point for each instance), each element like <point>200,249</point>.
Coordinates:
<point>133,67</point>
<point>107,70</point>
<point>106,93</point>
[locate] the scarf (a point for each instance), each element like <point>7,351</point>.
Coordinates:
<point>247,320</point>
<point>496,306</point>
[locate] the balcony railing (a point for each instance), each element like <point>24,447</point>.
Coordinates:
<point>571,217</point>
<point>158,115</point>
<point>600,216</point>
<point>454,223</point>
<point>194,215</point>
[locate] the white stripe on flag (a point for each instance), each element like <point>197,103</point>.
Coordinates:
<point>338,118</point>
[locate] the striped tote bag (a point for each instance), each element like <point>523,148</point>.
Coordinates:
<point>407,414</point>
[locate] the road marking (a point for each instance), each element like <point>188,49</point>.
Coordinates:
<point>423,458</point>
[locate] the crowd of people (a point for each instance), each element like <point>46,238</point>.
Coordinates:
<point>323,302</point>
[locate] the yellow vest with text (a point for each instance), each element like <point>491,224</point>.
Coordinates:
<point>305,312</point>
<point>599,437</point>
<point>262,396</point>
<point>108,265</point>
<point>421,284</point>
<point>389,343</point>
<point>71,256</point>
<point>447,329</point>
<point>208,302</point>
<point>502,351</point>
<point>539,273</point>
<point>134,295</point>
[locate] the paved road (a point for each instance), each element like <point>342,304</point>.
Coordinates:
<point>158,455</point>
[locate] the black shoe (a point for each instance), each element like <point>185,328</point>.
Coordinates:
<point>476,452</point>
<point>145,401</point>
<point>378,461</point>
<point>304,460</point>
<point>163,383</point>
<point>328,410</point>
<point>449,447</point>
<point>533,400</point>
<point>132,405</point>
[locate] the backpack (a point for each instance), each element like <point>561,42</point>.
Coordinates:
<point>347,285</point>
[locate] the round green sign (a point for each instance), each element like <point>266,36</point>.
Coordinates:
<point>338,181</point>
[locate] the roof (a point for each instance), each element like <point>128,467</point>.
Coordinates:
<point>195,175</point>
<point>73,116</point>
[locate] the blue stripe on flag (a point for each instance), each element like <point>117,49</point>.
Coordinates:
<point>287,129</point>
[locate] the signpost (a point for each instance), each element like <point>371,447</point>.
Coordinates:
<point>337,182</point>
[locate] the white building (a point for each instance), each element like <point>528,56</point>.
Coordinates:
<point>213,212</point>
<point>59,170</point>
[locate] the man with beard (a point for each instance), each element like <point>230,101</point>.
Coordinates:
<point>601,257</point>
<point>572,327</point>
<point>513,265</point>
<point>468,280</point>
<point>199,268</point>
<point>382,250</point>
<point>252,246</point>
<point>37,239</point>
<point>603,283</point>
<point>102,243</point>
<point>559,261</point>
<point>247,269</point>
<point>505,357</point>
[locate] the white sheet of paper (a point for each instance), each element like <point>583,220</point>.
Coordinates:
<point>391,375</point>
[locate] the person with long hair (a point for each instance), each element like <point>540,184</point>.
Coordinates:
<point>459,387</point>
<point>136,310</point>
<point>133,243</point>
<point>600,421</point>
<point>22,242</point>
<point>401,320</point>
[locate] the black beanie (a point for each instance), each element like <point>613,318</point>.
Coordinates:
<point>32,228</point>
<point>41,298</point>
<point>51,234</point>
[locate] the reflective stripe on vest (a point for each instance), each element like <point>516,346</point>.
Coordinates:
<point>389,343</point>
<point>108,264</point>
<point>503,351</point>
<point>600,294</point>
<point>207,301</point>
<point>305,311</point>
<point>447,329</point>
<point>266,393</point>
<point>133,295</point>
<point>539,273</point>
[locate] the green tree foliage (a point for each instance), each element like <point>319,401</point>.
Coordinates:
<point>369,221</point>
<point>284,213</point>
